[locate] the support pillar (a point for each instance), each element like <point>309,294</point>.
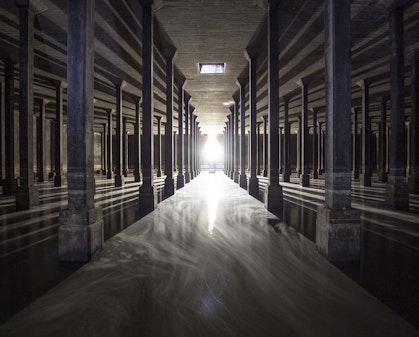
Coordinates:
<point>10,182</point>
<point>80,233</point>
<point>158,146</point>
<point>253,187</point>
<point>195,147</point>
<point>109,147</point>
<point>414,156</point>
<point>187,109</point>
<point>281,151</point>
<point>59,157</point>
<point>119,178</point>
<point>174,151</point>
<point>27,194</point>
<point>298,168</point>
<point>40,142</point>
<point>191,143</point>
<point>338,226</point>
<point>355,145</point>
<point>137,142</point>
<point>305,171</point>
<point>320,148</point>
<point>236,141</point>
<point>287,142</point>
<point>397,192</point>
<point>124,147</point>
<point>104,148</point>
<point>315,173</point>
<point>258,156</point>
<point>365,177</point>
<point>1,132</point>
<point>265,146</point>
<point>228,145</point>
<point>241,82</point>
<point>273,192</point>
<point>180,182</point>
<point>232,142</point>
<point>383,141</point>
<point>148,195</point>
<point>170,151</point>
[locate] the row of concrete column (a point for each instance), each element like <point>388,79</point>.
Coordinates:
<point>335,216</point>
<point>81,227</point>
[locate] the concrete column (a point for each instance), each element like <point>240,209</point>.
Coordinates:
<point>241,82</point>
<point>10,182</point>
<point>365,177</point>
<point>298,168</point>
<point>273,192</point>
<point>281,150</point>
<point>408,139</point>
<point>174,152</point>
<point>40,142</point>
<point>258,156</point>
<point>104,148</point>
<point>225,150</point>
<point>169,184</point>
<point>124,147</point>
<point>265,146</point>
<point>315,173</point>
<point>191,143</point>
<point>355,145</point>
<point>236,140</point>
<point>27,193</point>
<point>232,142</point>
<point>148,195</point>
<point>338,226</point>
<point>287,142</point>
<point>137,142</point>
<point>119,179</point>
<point>304,145</point>
<point>248,152</point>
<point>158,118</point>
<point>1,132</point>
<point>397,192</point>
<point>180,182</point>
<point>253,187</point>
<point>59,157</point>
<point>195,147</point>
<point>109,147</point>
<point>80,233</point>
<point>414,154</point>
<point>383,141</point>
<point>320,148</point>
<point>228,145</point>
<point>187,109</point>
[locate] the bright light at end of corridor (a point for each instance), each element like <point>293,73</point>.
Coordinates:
<point>212,150</point>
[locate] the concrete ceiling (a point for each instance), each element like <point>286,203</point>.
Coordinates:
<point>210,31</point>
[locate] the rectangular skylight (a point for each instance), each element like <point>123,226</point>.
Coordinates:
<point>212,68</point>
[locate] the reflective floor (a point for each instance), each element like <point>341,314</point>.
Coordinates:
<point>211,261</point>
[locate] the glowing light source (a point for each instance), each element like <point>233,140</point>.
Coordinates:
<point>212,68</point>
<point>212,149</point>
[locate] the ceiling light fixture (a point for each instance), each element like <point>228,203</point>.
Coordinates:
<point>211,68</point>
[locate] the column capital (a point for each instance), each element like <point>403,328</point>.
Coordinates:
<point>180,81</point>
<point>187,98</point>
<point>265,118</point>
<point>364,83</point>
<point>242,81</point>
<point>252,52</point>
<point>169,52</point>
<point>110,111</point>
<point>120,84</point>
<point>392,4</point>
<point>42,101</point>
<point>315,110</point>
<point>158,118</point>
<point>36,6</point>
<point>304,81</point>
<point>138,100</point>
<point>195,117</point>
<point>191,109</point>
<point>59,84</point>
<point>286,98</point>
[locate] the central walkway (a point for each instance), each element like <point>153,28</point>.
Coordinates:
<point>208,262</point>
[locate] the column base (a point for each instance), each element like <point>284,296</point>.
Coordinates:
<point>119,180</point>
<point>305,180</point>
<point>413,182</point>
<point>236,177</point>
<point>41,177</point>
<point>265,173</point>
<point>286,177</point>
<point>125,174</point>
<point>355,175</point>
<point>253,187</point>
<point>243,181</point>
<point>10,186</point>
<point>80,234</point>
<point>274,199</point>
<point>338,234</point>
<point>315,174</point>
<point>109,175</point>
<point>192,175</point>
<point>104,172</point>
<point>158,174</point>
<point>169,187</point>
<point>59,180</point>
<point>137,177</point>
<point>383,177</point>
<point>26,197</point>
<point>147,199</point>
<point>365,179</point>
<point>187,177</point>
<point>397,193</point>
<point>180,181</point>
